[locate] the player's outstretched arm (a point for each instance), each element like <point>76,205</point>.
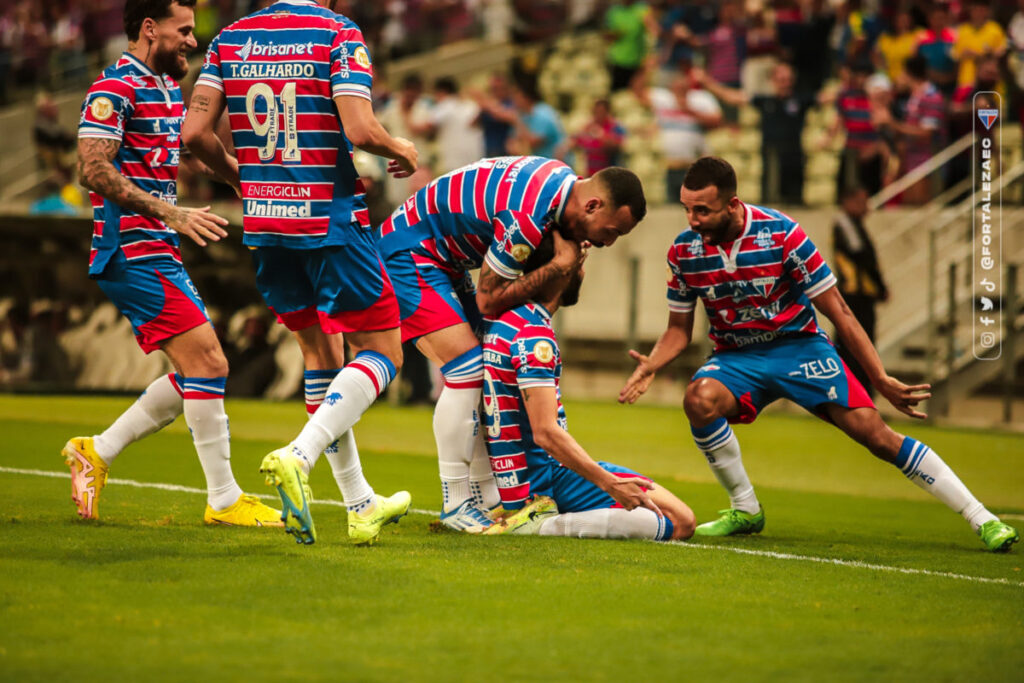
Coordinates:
<point>904,397</point>
<point>671,343</point>
<point>496,294</point>
<point>199,134</point>
<point>365,132</point>
<point>97,173</point>
<point>542,410</point>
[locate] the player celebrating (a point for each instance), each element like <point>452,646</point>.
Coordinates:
<point>295,78</point>
<point>489,215</point>
<point>532,452</point>
<point>128,151</point>
<point>758,273</point>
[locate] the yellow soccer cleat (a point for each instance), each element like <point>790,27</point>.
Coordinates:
<point>246,511</point>
<point>88,475</point>
<point>282,469</point>
<point>363,529</point>
<point>526,520</point>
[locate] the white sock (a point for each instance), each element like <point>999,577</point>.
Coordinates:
<point>457,425</point>
<point>157,406</point>
<point>348,472</point>
<point>482,484</point>
<point>206,419</point>
<point>351,392</point>
<point>722,451</point>
<point>606,523</point>
<point>925,468</point>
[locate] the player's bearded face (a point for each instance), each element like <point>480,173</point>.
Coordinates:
<point>708,214</point>
<point>173,41</point>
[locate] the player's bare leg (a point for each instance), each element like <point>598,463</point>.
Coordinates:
<point>456,351</point>
<point>709,405</point>
<point>921,465</point>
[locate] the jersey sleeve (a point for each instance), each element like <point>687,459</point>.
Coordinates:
<point>516,235</point>
<point>535,358</point>
<point>804,264</point>
<point>107,106</point>
<point>351,68</point>
<point>681,299</point>
<point>211,72</point>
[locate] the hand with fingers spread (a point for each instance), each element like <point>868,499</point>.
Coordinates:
<point>639,381</point>
<point>198,224</point>
<point>569,255</point>
<point>904,397</point>
<point>631,492</point>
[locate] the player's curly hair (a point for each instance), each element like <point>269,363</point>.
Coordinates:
<point>624,189</point>
<point>137,11</point>
<point>712,171</point>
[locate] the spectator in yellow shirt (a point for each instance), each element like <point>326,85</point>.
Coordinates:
<point>977,38</point>
<point>896,45</point>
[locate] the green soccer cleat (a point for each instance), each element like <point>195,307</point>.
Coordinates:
<point>732,523</point>
<point>526,520</point>
<point>997,536</point>
<point>364,529</point>
<point>282,469</point>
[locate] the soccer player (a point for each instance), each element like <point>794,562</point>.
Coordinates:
<point>489,215</point>
<point>543,474</point>
<point>295,78</point>
<point>128,153</point>
<point>758,275</point>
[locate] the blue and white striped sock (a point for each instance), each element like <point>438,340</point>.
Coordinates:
<point>925,468</point>
<point>316,383</point>
<point>722,451</point>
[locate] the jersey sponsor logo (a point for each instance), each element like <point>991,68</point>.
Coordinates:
<point>157,157</point>
<point>516,169</point>
<point>169,195</point>
<point>258,208</point>
<point>362,57</point>
<point>102,108</point>
<point>824,368</point>
<point>507,480</point>
<point>253,48</point>
<point>696,247</point>
<point>543,351</point>
<point>750,314</point>
<point>504,464</point>
<point>521,252</point>
<point>345,70</point>
<point>268,191</point>
<point>764,238</point>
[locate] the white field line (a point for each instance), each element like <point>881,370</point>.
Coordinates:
<point>683,544</point>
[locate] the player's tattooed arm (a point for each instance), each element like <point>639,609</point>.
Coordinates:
<point>496,294</point>
<point>97,173</point>
<point>852,335</point>
<point>672,342</point>
<point>199,133</point>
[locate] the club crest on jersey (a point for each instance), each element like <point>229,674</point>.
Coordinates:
<point>544,352</point>
<point>988,117</point>
<point>362,57</point>
<point>764,238</point>
<point>521,252</point>
<point>696,247</point>
<point>101,108</point>
<point>764,284</point>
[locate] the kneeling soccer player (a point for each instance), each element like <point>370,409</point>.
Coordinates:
<point>544,476</point>
<point>758,275</point>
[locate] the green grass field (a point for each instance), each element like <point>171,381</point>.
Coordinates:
<point>858,575</point>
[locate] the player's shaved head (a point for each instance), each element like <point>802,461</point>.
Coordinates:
<point>712,171</point>
<point>624,189</point>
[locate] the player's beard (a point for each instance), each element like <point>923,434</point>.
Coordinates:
<point>170,62</point>
<point>717,234</point>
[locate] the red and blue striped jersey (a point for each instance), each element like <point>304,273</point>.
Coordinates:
<point>756,288</point>
<point>855,112</point>
<point>280,69</point>
<point>520,352</point>
<point>143,112</point>
<point>495,210</point>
